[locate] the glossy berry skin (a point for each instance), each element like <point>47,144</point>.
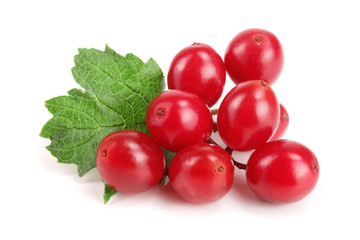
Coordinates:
<point>283,123</point>
<point>130,161</point>
<point>201,173</point>
<point>248,116</point>
<point>198,69</point>
<point>177,118</point>
<point>282,171</point>
<point>254,54</point>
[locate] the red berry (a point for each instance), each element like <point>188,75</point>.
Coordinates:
<point>130,161</point>
<point>201,173</point>
<point>177,119</point>
<point>248,116</point>
<point>283,123</point>
<point>282,171</point>
<point>254,54</point>
<point>198,69</point>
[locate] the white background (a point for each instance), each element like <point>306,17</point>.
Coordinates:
<point>319,86</point>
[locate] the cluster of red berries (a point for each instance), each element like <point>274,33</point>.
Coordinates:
<point>250,117</point>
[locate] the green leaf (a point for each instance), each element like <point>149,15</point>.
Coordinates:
<point>116,95</point>
<point>108,193</point>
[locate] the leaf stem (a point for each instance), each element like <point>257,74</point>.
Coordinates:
<point>166,172</point>
<point>212,142</point>
<point>214,111</point>
<point>229,151</point>
<point>239,165</point>
<point>215,128</point>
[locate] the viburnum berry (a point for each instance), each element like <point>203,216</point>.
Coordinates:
<point>254,54</point>
<point>282,171</point>
<point>201,173</point>
<point>283,123</point>
<point>130,161</point>
<point>176,119</point>
<point>199,69</point>
<point>248,116</point>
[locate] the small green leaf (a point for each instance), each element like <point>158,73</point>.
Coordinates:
<point>116,95</point>
<point>108,193</point>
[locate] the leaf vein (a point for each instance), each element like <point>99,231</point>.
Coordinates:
<point>119,80</point>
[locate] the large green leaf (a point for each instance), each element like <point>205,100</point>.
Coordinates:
<point>116,95</point>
